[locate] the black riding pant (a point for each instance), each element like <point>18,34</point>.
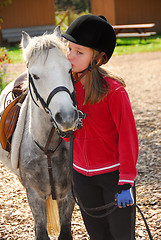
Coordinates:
<point>97,191</point>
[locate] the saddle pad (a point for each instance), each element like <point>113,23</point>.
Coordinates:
<point>18,134</point>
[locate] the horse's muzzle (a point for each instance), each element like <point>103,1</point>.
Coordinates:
<point>67,120</point>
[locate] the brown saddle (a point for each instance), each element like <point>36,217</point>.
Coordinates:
<point>10,114</point>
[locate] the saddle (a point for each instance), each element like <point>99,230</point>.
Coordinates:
<point>11,112</point>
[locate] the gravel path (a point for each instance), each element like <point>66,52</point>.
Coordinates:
<point>142,73</point>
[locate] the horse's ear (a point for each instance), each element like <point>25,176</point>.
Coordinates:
<point>57,31</point>
<point>25,39</point>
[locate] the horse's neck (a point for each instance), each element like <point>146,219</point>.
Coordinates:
<point>39,123</point>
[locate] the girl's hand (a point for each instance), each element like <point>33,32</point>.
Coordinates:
<point>125,198</point>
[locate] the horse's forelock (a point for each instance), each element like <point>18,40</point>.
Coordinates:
<point>41,44</point>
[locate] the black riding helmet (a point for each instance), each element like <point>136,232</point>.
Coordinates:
<point>93,32</point>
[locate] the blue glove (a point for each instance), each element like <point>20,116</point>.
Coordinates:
<point>125,198</point>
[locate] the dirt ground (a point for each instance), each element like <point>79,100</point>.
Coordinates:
<point>142,73</point>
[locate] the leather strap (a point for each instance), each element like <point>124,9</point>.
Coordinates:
<point>49,153</point>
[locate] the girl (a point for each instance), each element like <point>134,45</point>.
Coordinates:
<point>106,147</point>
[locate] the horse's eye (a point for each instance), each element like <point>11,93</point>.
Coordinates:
<point>35,77</point>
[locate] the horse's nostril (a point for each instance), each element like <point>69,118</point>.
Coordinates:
<point>58,118</point>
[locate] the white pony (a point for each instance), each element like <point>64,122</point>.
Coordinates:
<point>49,102</point>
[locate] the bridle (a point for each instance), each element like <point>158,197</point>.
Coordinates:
<point>44,104</point>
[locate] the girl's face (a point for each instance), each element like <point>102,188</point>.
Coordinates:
<point>79,56</point>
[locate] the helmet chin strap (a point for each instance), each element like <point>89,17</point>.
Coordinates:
<point>96,62</point>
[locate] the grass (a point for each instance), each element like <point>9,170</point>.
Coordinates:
<point>4,84</point>
<point>134,45</point>
<point>15,54</point>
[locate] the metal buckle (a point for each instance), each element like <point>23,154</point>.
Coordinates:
<point>82,116</point>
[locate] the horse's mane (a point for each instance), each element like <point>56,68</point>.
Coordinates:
<point>42,44</point>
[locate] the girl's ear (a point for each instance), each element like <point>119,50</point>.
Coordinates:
<point>105,59</point>
<point>101,59</point>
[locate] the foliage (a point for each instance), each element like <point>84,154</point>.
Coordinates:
<point>78,5</point>
<point>70,17</point>
<point>4,61</point>
<point>4,3</point>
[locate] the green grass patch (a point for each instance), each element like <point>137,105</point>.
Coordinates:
<point>134,45</point>
<point>15,54</point>
<point>4,84</point>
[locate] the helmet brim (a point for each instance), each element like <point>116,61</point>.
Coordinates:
<point>69,38</point>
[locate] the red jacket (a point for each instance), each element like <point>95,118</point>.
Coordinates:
<point>108,139</point>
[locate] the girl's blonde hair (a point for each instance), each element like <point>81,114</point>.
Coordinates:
<point>96,87</point>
